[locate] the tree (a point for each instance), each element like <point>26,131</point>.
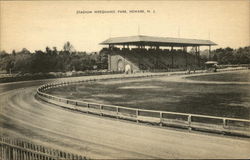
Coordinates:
<point>48,50</point>
<point>54,52</point>
<point>13,52</point>
<point>6,61</point>
<point>102,61</point>
<point>68,47</point>
<point>3,52</point>
<point>24,51</point>
<point>215,58</point>
<point>22,62</point>
<point>232,56</point>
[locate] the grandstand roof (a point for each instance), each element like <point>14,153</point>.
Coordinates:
<point>158,41</point>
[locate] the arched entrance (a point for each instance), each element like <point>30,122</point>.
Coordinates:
<point>120,66</point>
<point>128,69</point>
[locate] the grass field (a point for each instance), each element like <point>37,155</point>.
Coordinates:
<point>225,77</point>
<point>158,94</point>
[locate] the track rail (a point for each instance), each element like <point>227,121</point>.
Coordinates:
<point>162,118</point>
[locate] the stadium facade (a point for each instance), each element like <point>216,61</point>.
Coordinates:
<point>138,53</point>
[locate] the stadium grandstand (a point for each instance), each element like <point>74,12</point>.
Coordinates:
<point>147,53</point>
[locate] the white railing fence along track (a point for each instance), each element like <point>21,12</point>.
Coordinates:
<point>161,118</point>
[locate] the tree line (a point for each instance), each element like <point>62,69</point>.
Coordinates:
<point>68,59</point>
<point>231,56</point>
<point>51,60</point>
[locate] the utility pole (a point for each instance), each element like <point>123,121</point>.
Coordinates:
<point>110,32</point>
<point>178,31</point>
<point>138,31</point>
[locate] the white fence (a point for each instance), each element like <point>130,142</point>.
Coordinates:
<point>162,118</point>
<point>15,149</point>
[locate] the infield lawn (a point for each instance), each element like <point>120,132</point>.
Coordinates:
<point>157,94</point>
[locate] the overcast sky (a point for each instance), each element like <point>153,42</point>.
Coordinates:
<point>35,25</point>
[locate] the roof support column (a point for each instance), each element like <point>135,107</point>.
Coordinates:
<point>109,61</point>
<point>198,52</point>
<point>186,56</point>
<point>172,56</point>
<point>195,58</point>
<point>209,53</point>
<point>109,57</point>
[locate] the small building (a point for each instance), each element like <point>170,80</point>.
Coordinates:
<point>138,53</point>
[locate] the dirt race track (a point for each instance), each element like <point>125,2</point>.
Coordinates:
<point>22,116</point>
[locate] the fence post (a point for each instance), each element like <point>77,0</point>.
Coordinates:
<point>12,152</point>
<point>15,154</point>
<point>189,122</point>
<point>25,155</point>
<point>76,157</point>
<point>3,151</point>
<point>68,155</point>
<point>117,111</point>
<point>160,119</point>
<point>57,154</point>
<point>9,152</point>
<point>224,123</point>
<point>137,114</point>
<point>100,110</point>
<point>33,149</point>
<point>53,152</point>
<point>87,107</point>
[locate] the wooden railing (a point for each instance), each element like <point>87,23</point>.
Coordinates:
<point>161,118</point>
<point>15,149</point>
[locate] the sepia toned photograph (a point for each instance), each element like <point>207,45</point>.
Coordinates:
<point>83,80</point>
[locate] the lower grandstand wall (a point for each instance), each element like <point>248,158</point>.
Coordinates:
<point>149,60</point>
<point>118,63</point>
